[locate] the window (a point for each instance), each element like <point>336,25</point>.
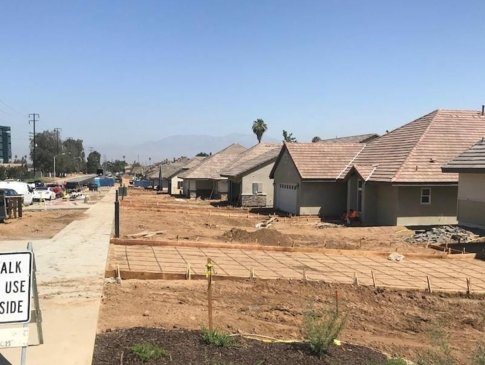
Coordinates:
<point>257,188</point>
<point>426,196</point>
<point>180,184</point>
<point>360,184</point>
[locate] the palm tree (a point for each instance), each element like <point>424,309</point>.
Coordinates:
<point>288,137</point>
<point>259,127</point>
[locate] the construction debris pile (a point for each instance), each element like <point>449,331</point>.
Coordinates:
<point>442,234</point>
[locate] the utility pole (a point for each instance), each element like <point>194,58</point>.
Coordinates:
<point>57,130</point>
<point>35,118</point>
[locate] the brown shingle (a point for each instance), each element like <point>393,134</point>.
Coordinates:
<point>326,161</point>
<point>361,138</point>
<point>415,152</point>
<point>250,159</point>
<point>211,167</point>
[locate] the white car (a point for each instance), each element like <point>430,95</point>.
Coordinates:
<point>44,193</point>
<point>20,187</point>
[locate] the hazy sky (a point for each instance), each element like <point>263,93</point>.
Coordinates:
<point>133,71</point>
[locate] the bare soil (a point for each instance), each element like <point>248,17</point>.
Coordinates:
<point>206,221</point>
<point>38,224</point>
<point>399,323</point>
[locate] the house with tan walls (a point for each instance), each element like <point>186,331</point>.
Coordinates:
<point>470,167</point>
<point>397,178</point>
<point>249,181</point>
<point>308,177</point>
<point>174,181</point>
<point>205,180</point>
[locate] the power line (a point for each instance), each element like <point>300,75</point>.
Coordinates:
<point>57,130</point>
<point>33,120</point>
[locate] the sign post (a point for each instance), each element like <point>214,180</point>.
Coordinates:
<point>18,286</point>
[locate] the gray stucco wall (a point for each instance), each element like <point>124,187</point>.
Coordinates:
<point>261,175</point>
<point>285,173</point>
<point>442,210</point>
<point>325,199</point>
<point>471,200</point>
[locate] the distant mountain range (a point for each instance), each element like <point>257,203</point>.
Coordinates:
<point>176,146</point>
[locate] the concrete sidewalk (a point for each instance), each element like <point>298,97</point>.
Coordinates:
<point>70,273</point>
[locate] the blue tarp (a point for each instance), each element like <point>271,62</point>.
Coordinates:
<point>104,181</point>
<point>142,183</point>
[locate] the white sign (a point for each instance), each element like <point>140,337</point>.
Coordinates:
<point>14,337</point>
<point>15,273</point>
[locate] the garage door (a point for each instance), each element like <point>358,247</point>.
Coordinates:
<point>286,197</point>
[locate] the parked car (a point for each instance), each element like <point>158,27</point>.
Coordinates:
<point>56,189</point>
<point>44,193</point>
<point>21,188</point>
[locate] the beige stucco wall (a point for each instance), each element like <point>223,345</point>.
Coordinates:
<point>174,188</point>
<point>442,209</point>
<point>285,173</point>
<point>260,175</point>
<point>223,186</point>
<point>326,199</point>
<point>471,200</point>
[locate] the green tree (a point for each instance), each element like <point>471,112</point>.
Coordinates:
<point>288,137</point>
<point>74,153</point>
<point>45,150</point>
<point>259,127</point>
<point>316,139</point>
<point>93,162</point>
<point>202,154</point>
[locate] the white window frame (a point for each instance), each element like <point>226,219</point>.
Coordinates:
<point>425,196</point>
<point>257,190</point>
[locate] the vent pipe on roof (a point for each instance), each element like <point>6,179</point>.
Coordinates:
<point>483,109</point>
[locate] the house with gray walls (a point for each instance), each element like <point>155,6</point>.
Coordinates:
<point>308,177</point>
<point>470,167</point>
<point>249,181</point>
<point>205,180</point>
<point>395,179</point>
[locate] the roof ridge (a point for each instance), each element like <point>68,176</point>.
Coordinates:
<point>350,162</point>
<point>435,112</point>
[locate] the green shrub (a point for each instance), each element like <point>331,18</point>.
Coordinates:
<point>479,355</point>
<point>147,351</point>
<point>321,328</point>
<point>216,337</point>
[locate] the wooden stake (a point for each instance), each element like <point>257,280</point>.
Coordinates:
<point>468,285</point>
<point>356,279</point>
<point>429,284</point>
<point>188,275</point>
<point>373,279</point>
<point>209,268</point>
<point>251,273</point>
<point>336,302</point>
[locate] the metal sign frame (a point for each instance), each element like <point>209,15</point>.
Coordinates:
<point>35,315</point>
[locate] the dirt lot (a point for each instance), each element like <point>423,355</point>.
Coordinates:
<point>41,220</point>
<point>182,219</point>
<point>396,322</point>
<point>38,224</point>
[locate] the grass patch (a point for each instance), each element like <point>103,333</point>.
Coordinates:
<point>147,351</point>
<point>321,328</point>
<point>216,337</point>
<point>394,361</point>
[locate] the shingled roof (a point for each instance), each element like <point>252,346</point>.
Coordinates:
<point>256,156</point>
<point>415,152</point>
<point>472,160</point>
<point>321,161</point>
<point>167,168</point>
<point>360,138</point>
<point>194,162</point>
<point>211,167</point>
